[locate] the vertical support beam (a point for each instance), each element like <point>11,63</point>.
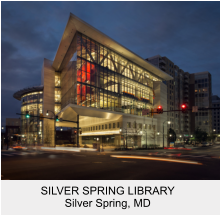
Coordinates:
<point>77,141</point>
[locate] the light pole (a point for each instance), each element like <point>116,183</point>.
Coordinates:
<point>121,130</point>
<point>163,130</point>
<point>54,125</point>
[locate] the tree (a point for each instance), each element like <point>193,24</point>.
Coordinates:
<point>200,135</point>
<point>171,134</point>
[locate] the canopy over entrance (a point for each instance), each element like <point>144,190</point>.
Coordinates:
<point>87,116</point>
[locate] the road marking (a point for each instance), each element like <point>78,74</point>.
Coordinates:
<point>97,162</point>
<point>198,156</point>
<point>16,153</point>
<point>158,159</point>
<point>128,161</point>
<point>7,154</point>
<point>80,155</point>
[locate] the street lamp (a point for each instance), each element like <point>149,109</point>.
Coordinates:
<point>61,128</point>
<point>163,130</point>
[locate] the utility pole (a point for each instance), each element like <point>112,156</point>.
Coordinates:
<point>77,122</point>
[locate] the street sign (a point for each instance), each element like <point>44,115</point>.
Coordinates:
<point>145,112</point>
<point>195,109</point>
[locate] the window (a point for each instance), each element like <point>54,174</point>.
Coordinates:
<point>91,128</point>
<point>113,125</point>
<point>102,126</point>
<point>140,125</point>
<point>105,126</point>
<point>118,124</point>
<point>109,126</point>
<point>96,128</point>
<point>134,125</point>
<point>128,125</point>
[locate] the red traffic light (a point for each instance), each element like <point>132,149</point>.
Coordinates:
<point>159,109</point>
<point>184,108</point>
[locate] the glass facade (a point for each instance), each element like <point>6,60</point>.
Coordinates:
<point>31,128</point>
<point>57,107</point>
<point>101,78</point>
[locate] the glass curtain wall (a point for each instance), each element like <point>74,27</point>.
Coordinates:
<point>57,107</point>
<point>107,80</point>
<point>31,128</point>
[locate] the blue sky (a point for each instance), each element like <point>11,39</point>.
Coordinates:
<point>188,33</point>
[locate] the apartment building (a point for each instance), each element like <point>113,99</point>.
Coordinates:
<point>178,91</point>
<point>215,114</point>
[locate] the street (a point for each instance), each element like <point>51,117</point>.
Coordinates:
<point>200,163</point>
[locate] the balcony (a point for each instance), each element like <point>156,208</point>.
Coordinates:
<point>163,68</point>
<point>162,62</point>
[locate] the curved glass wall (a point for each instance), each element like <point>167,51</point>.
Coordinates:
<point>31,128</point>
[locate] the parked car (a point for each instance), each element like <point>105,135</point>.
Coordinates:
<point>205,144</point>
<point>210,143</point>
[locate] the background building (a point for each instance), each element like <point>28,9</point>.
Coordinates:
<point>12,131</point>
<point>177,94</point>
<point>191,89</point>
<point>215,114</point>
<point>203,99</point>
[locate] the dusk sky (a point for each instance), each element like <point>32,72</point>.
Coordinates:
<point>188,33</point>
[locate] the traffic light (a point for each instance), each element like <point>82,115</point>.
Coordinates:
<point>27,114</point>
<point>159,109</point>
<point>57,120</point>
<point>184,108</point>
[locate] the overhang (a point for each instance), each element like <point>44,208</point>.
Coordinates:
<point>87,116</point>
<point>20,93</point>
<point>75,24</point>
